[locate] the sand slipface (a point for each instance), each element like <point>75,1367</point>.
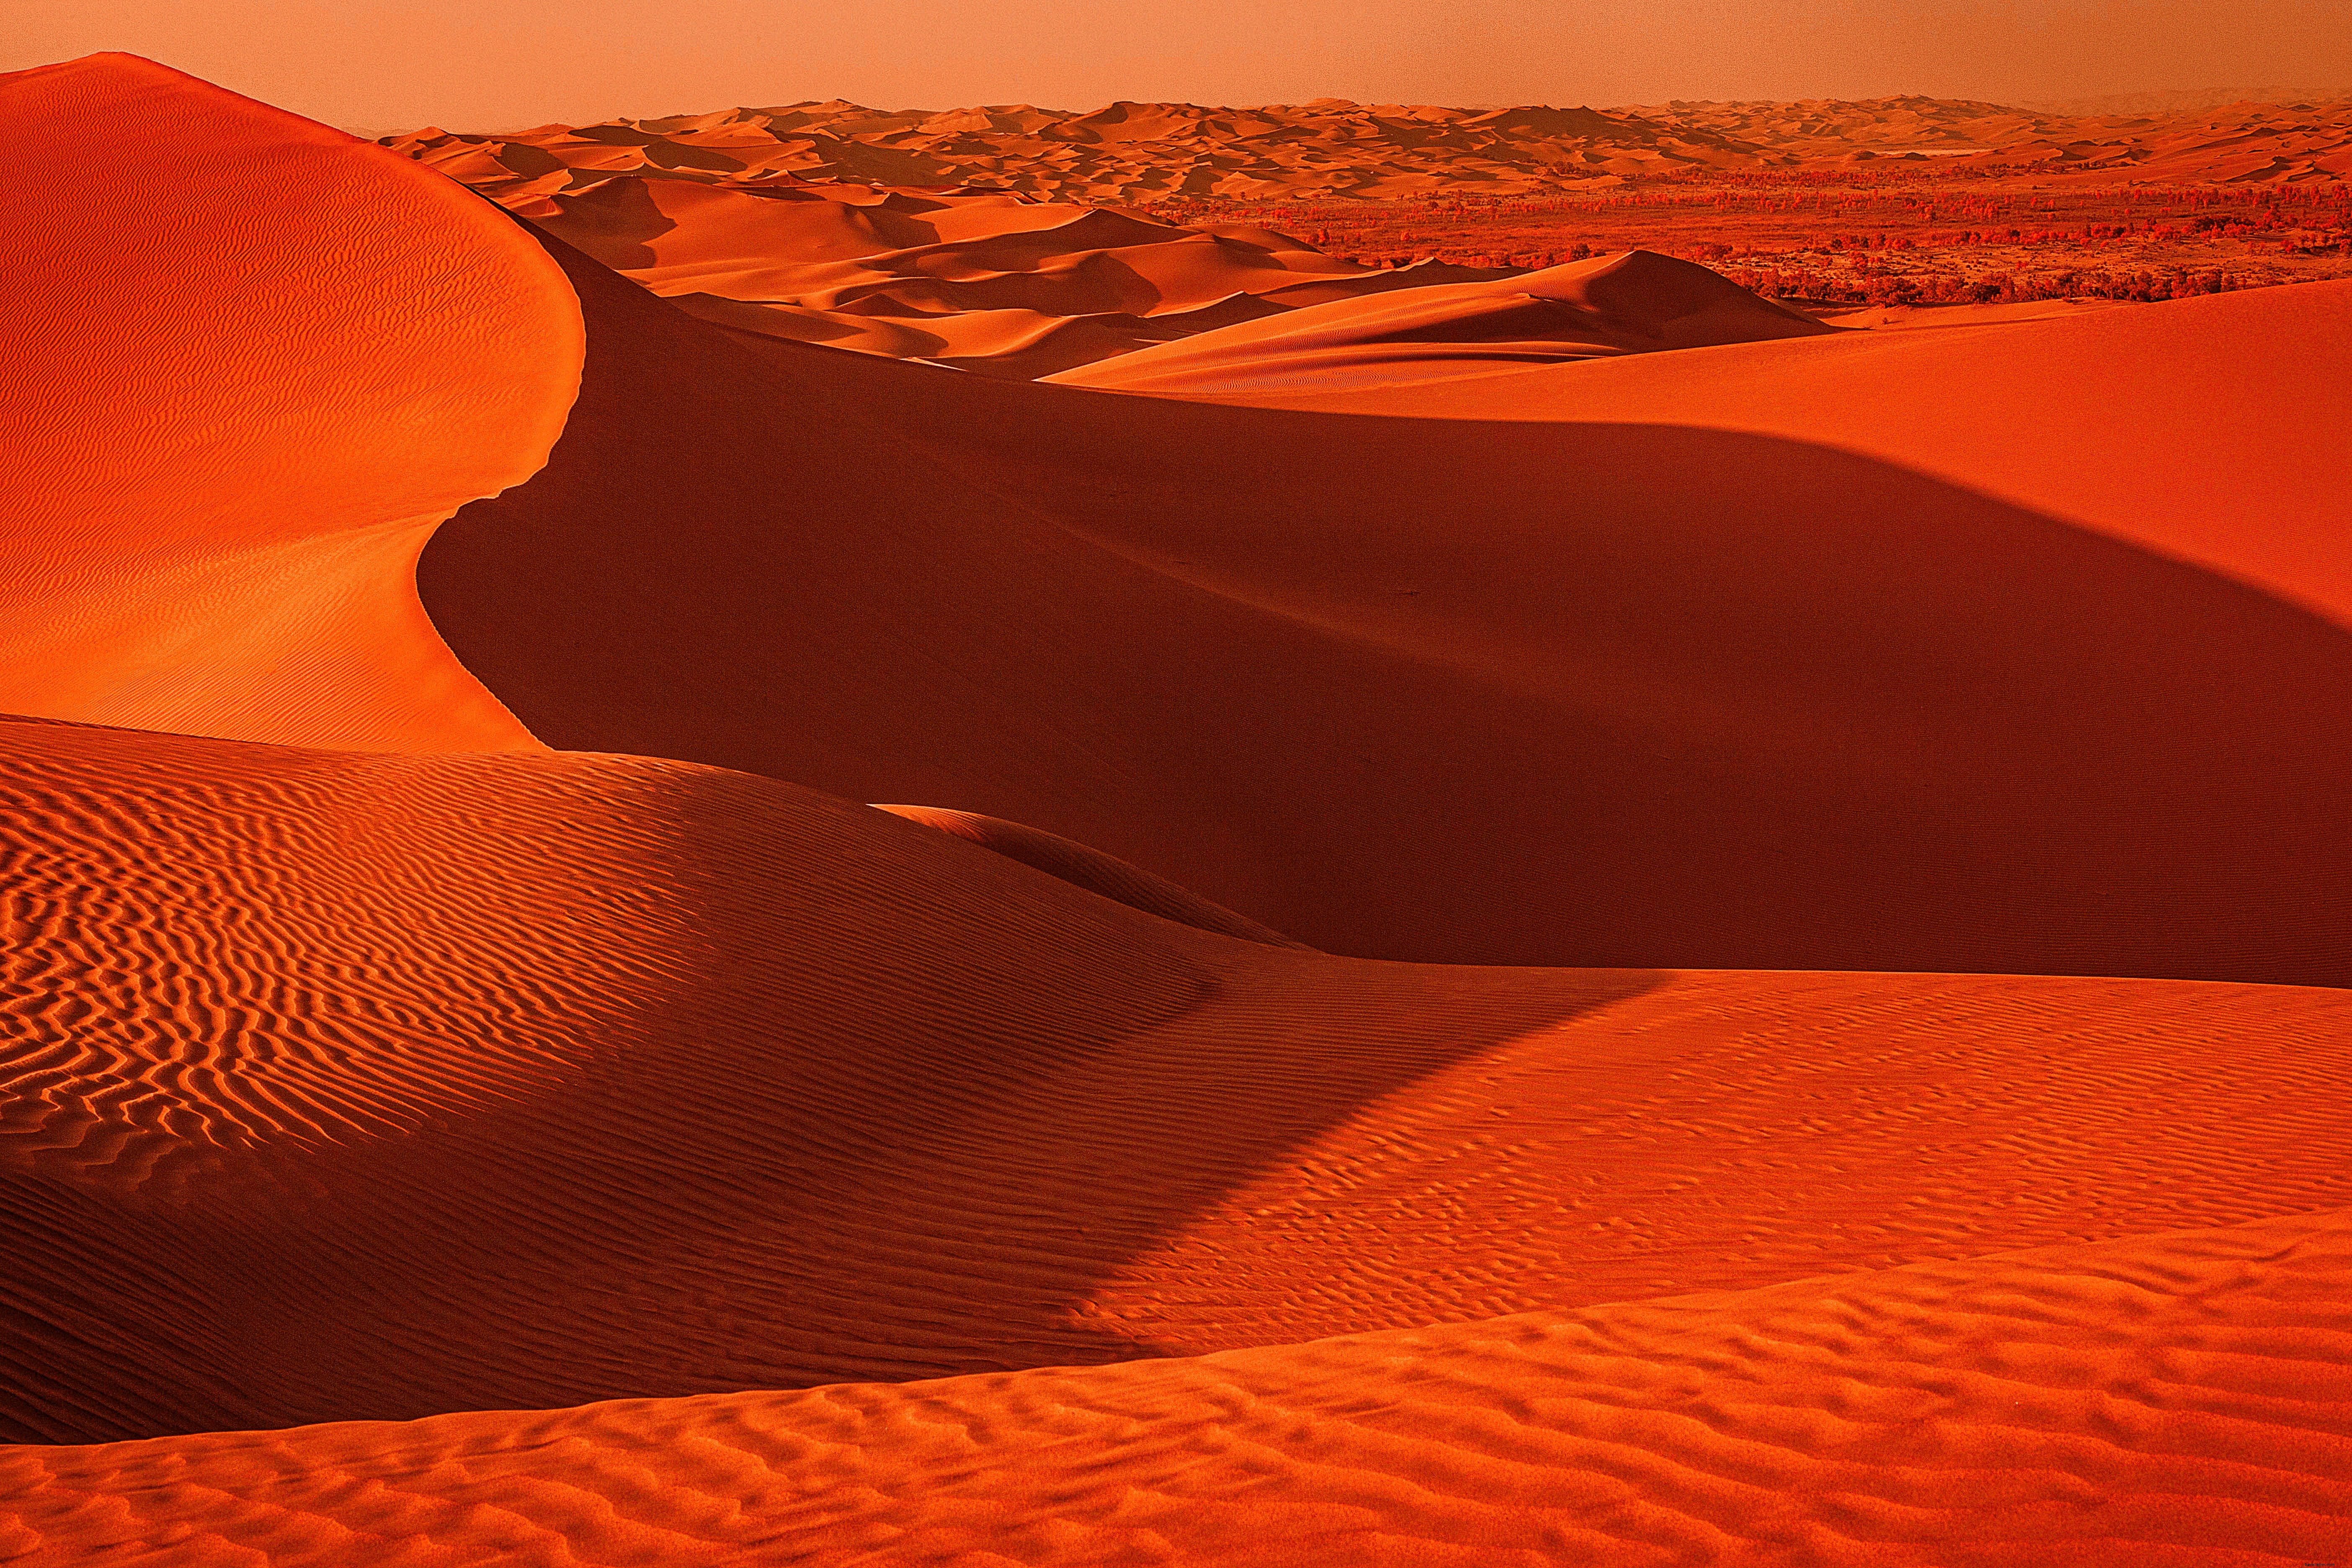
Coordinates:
<point>420,1145</point>
<point>270,358</point>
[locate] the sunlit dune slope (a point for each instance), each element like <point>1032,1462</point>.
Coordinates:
<point>366,1086</point>
<point>1604,690</point>
<point>2181,1399</point>
<point>250,362</point>
<point>2208,430</point>
<point>1632,303</point>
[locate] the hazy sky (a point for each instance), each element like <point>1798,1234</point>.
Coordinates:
<point>502,64</point>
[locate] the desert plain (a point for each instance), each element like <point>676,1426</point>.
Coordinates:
<point>1325,833</point>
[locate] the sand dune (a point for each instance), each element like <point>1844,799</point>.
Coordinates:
<point>2112,419</point>
<point>364,1086</point>
<point>1549,691</point>
<point>1005,1177</point>
<point>1633,304</point>
<point>2180,1398</point>
<point>240,411</point>
<point>976,243</point>
<point>1122,152</point>
<point>981,280</point>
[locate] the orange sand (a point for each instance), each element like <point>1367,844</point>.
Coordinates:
<point>419,1074</point>
<point>261,360</point>
<point>1500,691</point>
<point>2177,1400</point>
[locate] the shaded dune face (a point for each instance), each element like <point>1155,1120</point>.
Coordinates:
<point>260,361</point>
<point>2168,1399</point>
<point>349,1086</point>
<point>1583,690</point>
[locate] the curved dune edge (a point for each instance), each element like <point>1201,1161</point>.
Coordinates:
<point>2184,1398</point>
<point>1091,869</point>
<point>352,1085</point>
<point>2209,430</point>
<point>1466,690</point>
<point>1634,302</point>
<point>270,358</point>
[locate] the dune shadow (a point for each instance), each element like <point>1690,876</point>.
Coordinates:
<point>742,1204</point>
<point>1513,693</point>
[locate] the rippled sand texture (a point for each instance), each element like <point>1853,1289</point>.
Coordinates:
<point>2177,1400</point>
<point>1089,1164</point>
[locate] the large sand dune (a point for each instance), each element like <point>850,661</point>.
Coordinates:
<point>253,362</point>
<point>1616,690</point>
<point>369,1063</point>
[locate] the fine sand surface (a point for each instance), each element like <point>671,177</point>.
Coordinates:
<point>433,1005</point>
<point>252,363</point>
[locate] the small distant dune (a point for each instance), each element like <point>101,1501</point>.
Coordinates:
<point>1610,305</point>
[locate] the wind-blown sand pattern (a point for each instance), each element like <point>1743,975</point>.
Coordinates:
<point>2177,1399</point>
<point>1919,758</point>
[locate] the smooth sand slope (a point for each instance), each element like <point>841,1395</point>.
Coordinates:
<point>1606,689</point>
<point>2178,1400</point>
<point>2205,430</point>
<point>364,1086</point>
<point>254,361</point>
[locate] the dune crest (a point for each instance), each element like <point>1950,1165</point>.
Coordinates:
<point>274,358</point>
<point>1091,869</point>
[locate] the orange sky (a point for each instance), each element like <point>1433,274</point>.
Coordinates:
<point>497,64</point>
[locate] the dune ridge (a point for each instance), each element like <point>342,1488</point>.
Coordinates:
<point>243,410</point>
<point>1634,303</point>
